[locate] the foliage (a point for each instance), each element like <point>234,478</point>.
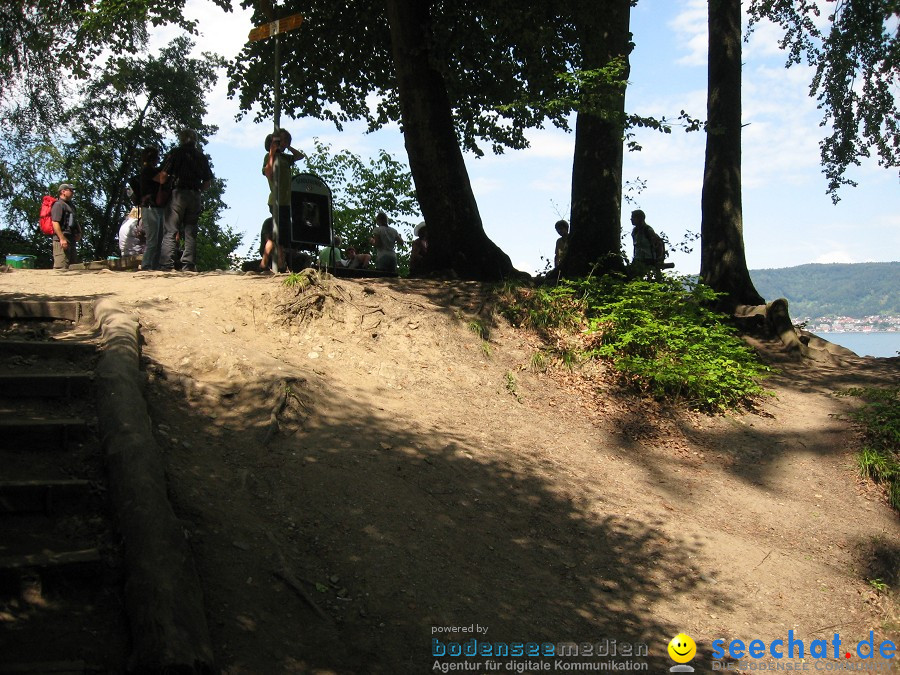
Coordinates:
<point>45,45</point>
<point>879,419</point>
<point>856,57</point>
<point>661,337</point>
<point>492,53</point>
<point>855,290</point>
<point>216,242</point>
<point>361,188</point>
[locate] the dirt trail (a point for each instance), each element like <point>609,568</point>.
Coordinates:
<point>422,479</point>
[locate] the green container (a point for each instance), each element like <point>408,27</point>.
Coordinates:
<point>25,262</point>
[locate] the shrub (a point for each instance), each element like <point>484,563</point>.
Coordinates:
<point>660,336</point>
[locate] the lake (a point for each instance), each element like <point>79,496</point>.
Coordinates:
<point>866,344</point>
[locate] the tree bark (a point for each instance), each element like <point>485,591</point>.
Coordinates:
<point>595,234</point>
<point>723,264</point>
<point>456,236</point>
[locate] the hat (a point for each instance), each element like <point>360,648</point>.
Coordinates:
<point>418,228</point>
<point>66,186</point>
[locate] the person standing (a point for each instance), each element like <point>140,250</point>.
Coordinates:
<point>418,255</point>
<point>190,173</point>
<point>279,159</point>
<point>562,244</point>
<point>66,231</point>
<point>385,238</point>
<point>649,249</point>
<point>152,207</point>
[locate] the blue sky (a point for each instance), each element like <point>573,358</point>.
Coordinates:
<point>788,218</point>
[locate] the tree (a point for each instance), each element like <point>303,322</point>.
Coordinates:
<point>857,76</point>
<point>216,243</point>
<point>595,237</point>
<point>456,235</point>
<point>723,265</point>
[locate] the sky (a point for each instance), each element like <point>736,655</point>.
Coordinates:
<point>788,217</point>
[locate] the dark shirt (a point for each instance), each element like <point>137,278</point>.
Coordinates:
<point>63,212</point>
<point>149,187</point>
<point>188,167</point>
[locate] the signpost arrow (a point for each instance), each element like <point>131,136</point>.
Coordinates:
<point>275,27</point>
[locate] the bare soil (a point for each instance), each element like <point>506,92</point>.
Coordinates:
<point>359,473</point>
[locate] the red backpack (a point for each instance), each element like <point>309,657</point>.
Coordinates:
<point>45,220</point>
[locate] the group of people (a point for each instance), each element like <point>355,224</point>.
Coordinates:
<point>168,210</point>
<point>649,248</point>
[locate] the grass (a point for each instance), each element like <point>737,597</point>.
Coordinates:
<point>661,337</point>
<point>879,420</point>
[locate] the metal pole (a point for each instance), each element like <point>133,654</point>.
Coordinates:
<point>276,212</point>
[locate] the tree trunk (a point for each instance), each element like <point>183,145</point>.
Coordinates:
<point>723,265</point>
<point>595,235</point>
<point>456,236</point>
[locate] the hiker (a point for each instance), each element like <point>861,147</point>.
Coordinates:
<point>190,173</point>
<point>418,256</point>
<point>66,231</point>
<point>280,157</point>
<point>649,248</point>
<point>330,257</point>
<point>385,238</point>
<point>562,244</point>
<point>153,201</point>
<point>131,233</point>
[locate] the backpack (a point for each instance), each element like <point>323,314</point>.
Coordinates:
<point>134,189</point>
<point>45,220</point>
<point>658,246</point>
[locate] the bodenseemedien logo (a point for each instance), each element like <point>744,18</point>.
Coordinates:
<point>682,649</point>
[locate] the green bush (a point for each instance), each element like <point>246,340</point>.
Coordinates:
<point>879,419</point>
<point>661,337</point>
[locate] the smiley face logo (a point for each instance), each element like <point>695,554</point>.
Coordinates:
<point>682,648</point>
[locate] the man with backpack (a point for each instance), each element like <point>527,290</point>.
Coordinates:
<point>649,248</point>
<point>189,170</point>
<point>66,231</point>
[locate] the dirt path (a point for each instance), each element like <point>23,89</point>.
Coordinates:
<point>422,480</point>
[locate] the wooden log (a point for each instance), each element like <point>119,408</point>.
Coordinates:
<point>162,591</point>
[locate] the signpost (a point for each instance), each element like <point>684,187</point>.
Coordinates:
<point>275,28</point>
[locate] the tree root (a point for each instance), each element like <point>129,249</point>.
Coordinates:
<point>285,393</point>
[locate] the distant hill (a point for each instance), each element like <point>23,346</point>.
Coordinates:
<point>854,290</point>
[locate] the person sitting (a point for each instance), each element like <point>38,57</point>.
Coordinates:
<point>385,238</point>
<point>418,257</point>
<point>131,234</point>
<point>290,259</point>
<point>330,257</point>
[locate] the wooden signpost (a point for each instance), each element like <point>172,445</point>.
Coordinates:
<point>275,28</point>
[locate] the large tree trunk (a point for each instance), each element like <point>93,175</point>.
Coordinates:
<point>595,236</point>
<point>456,237</point>
<point>723,265</point>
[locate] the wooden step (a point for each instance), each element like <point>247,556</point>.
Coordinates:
<point>30,434</point>
<point>50,559</point>
<point>28,496</point>
<point>48,348</point>
<point>45,385</point>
